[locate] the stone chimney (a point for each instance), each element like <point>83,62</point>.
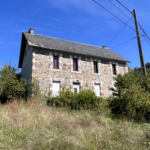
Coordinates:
<point>31,30</point>
<point>104,46</point>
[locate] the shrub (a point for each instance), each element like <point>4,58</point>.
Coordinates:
<point>33,89</point>
<point>85,99</point>
<point>132,96</point>
<point>10,85</point>
<point>63,100</point>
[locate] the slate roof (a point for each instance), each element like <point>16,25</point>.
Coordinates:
<point>67,46</point>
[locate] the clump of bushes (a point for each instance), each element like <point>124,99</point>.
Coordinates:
<point>85,99</point>
<point>12,86</point>
<point>131,96</point>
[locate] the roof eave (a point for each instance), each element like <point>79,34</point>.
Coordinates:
<point>77,53</point>
<point>22,50</point>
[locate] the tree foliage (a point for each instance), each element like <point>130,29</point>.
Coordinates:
<point>139,70</point>
<point>11,85</point>
<point>131,96</point>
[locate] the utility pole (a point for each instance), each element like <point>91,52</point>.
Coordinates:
<point>139,45</point>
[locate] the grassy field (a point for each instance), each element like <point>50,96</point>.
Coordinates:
<point>31,126</point>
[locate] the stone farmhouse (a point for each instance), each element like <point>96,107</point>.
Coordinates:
<point>59,63</point>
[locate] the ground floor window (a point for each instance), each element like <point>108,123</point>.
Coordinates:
<point>56,88</point>
<point>97,89</point>
<point>76,87</point>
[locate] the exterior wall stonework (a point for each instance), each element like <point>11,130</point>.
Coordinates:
<point>42,69</point>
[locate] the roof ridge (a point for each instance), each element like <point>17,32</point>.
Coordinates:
<point>69,41</point>
<point>70,46</point>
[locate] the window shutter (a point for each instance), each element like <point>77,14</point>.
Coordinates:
<point>114,69</point>
<point>56,62</point>
<point>75,65</point>
<point>95,67</point>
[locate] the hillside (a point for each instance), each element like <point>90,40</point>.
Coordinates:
<point>29,126</point>
<point>138,70</point>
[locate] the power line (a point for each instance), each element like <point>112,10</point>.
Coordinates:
<point>112,14</point>
<point>121,44</point>
<point>124,7</point>
<point>119,9</point>
<point>143,31</point>
<point>138,22</point>
<point>119,31</point>
<point>146,41</point>
<point>145,27</point>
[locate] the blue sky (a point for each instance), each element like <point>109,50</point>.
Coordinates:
<point>80,21</point>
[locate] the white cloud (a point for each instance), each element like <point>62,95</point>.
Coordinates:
<point>88,6</point>
<point>114,28</point>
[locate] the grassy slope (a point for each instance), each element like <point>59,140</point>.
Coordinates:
<point>34,126</point>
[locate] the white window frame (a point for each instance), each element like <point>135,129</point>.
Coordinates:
<point>79,86</point>
<point>51,83</point>
<point>76,81</point>
<point>101,88</point>
<point>59,89</point>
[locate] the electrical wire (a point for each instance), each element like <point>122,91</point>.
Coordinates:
<point>112,14</point>
<point>122,21</point>
<point>146,41</point>
<point>121,44</point>
<point>145,27</point>
<point>124,7</point>
<point>119,9</point>
<point>119,31</point>
<point>138,22</point>
<point>143,31</point>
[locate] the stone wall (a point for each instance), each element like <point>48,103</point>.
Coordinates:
<point>27,63</point>
<point>42,69</point>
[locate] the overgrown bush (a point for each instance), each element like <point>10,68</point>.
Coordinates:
<point>131,96</point>
<point>11,86</point>
<point>85,99</point>
<point>63,100</point>
<point>32,88</point>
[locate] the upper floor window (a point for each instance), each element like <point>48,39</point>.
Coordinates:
<point>75,64</point>
<point>55,62</point>
<point>95,67</point>
<point>114,69</point>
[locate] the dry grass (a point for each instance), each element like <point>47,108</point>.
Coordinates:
<point>32,126</point>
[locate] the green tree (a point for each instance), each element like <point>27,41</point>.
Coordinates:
<point>131,96</point>
<point>11,85</point>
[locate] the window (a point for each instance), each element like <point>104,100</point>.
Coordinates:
<point>75,90</point>
<point>76,87</point>
<point>75,65</point>
<point>56,88</point>
<point>97,90</point>
<point>55,62</point>
<point>95,67</point>
<point>114,69</point>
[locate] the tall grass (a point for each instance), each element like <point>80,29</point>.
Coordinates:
<point>33,126</point>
